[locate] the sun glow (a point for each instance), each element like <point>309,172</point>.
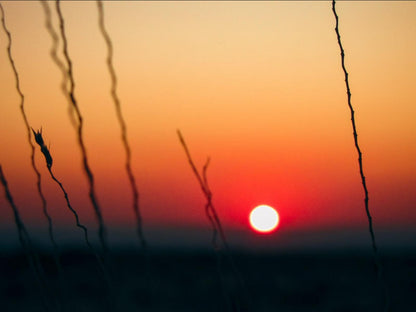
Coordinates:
<point>264,219</point>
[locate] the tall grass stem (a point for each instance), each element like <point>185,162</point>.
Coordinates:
<point>54,55</point>
<point>123,126</point>
<point>27,246</point>
<point>237,301</point>
<point>49,161</point>
<point>42,197</point>
<point>102,233</point>
<point>377,259</point>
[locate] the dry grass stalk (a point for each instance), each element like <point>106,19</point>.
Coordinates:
<point>48,159</point>
<point>377,260</point>
<point>102,233</point>
<point>123,126</point>
<point>32,149</point>
<point>209,208</point>
<point>27,246</point>
<point>54,55</point>
<point>236,299</point>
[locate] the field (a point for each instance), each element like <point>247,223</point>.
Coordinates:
<point>181,280</point>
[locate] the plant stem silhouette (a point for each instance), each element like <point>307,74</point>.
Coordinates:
<point>377,260</point>
<point>26,244</point>
<point>217,230</point>
<point>48,158</point>
<point>209,209</point>
<point>32,149</point>
<point>122,123</point>
<point>80,125</point>
<point>54,55</point>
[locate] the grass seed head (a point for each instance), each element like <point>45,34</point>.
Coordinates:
<point>43,148</point>
<point>38,137</point>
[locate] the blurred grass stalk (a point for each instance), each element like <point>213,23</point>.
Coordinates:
<point>234,290</point>
<point>45,211</point>
<point>27,246</point>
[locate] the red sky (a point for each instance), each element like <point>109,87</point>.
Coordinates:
<point>258,87</point>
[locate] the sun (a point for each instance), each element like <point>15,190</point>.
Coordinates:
<point>264,219</point>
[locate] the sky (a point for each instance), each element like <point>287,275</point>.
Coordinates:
<point>256,86</point>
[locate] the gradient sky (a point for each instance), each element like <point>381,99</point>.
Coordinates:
<point>257,86</point>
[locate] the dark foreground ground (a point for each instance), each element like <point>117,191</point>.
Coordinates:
<point>191,281</point>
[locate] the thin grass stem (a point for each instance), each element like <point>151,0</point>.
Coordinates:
<point>45,210</point>
<point>217,230</point>
<point>54,55</point>
<point>123,126</point>
<point>377,260</point>
<point>27,246</point>
<point>102,233</point>
<point>49,161</point>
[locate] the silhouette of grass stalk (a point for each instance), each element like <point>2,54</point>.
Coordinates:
<point>48,158</point>
<point>49,161</point>
<point>54,55</point>
<point>209,208</point>
<point>217,230</point>
<point>80,138</point>
<point>26,244</point>
<point>378,264</point>
<point>32,148</point>
<point>216,227</point>
<point>116,100</point>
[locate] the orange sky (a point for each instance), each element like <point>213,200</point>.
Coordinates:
<point>257,86</point>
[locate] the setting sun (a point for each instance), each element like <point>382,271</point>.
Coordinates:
<point>264,219</point>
